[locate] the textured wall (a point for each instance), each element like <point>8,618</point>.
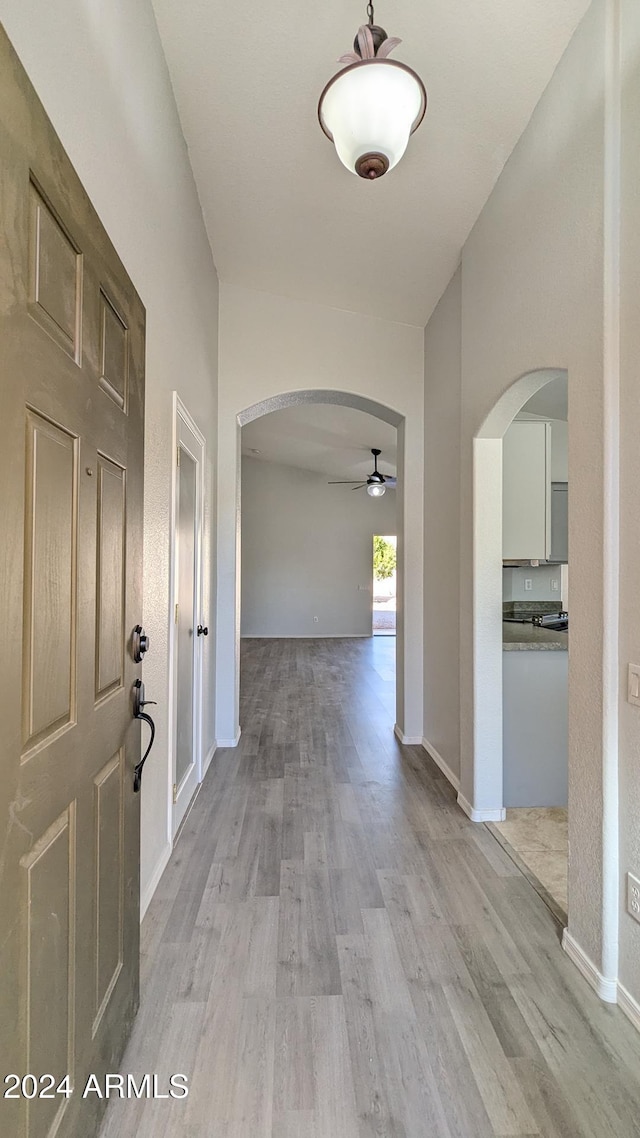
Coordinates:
<point>532,297</point>
<point>270,345</point>
<point>307,550</point>
<point>100,71</point>
<point>441,527</point>
<point>630,476</point>
<point>536,248</point>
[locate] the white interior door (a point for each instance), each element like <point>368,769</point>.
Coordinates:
<point>189,626</point>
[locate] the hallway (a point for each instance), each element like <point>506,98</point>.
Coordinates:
<point>336,951</point>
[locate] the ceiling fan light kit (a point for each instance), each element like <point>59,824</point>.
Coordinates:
<point>373,105</point>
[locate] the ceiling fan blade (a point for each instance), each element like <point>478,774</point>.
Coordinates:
<point>359,487</point>
<point>345,482</point>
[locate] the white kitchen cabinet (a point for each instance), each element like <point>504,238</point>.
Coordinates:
<point>526,489</point>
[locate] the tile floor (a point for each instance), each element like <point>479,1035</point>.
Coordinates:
<point>538,838</point>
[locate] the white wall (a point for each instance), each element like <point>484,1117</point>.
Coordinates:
<point>101,74</point>
<point>533,297</point>
<point>307,550</point>
<point>541,577</point>
<point>270,345</point>
<point>442,528</point>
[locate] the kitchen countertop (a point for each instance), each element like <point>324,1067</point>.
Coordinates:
<point>530,638</point>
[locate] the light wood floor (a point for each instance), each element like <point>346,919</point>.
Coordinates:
<point>335,951</point>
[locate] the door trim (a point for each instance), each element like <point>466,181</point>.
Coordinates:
<point>181,414</point>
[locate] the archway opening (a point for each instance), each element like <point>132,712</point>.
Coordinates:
<point>408,725</point>
<point>309,523</point>
<point>529,402</point>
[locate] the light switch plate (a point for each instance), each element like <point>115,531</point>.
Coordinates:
<point>633,896</point>
<point>633,684</point>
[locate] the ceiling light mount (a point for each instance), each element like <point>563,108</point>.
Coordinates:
<point>378,34</point>
<point>370,108</point>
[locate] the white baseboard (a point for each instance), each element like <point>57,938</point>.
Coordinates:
<point>630,1007</point>
<point>228,742</point>
<point>605,988</point>
<point>207,762</point>
<point>439,761</point>
<point>497,815</point>
<point>407,740</point>
<point>307,636</point>
<point>152,885</point>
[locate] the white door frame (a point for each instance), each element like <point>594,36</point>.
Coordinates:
<point>181,417</point>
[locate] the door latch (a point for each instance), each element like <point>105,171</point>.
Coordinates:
<point>138,703</point>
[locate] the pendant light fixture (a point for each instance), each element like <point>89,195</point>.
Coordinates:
<point>372,106</point>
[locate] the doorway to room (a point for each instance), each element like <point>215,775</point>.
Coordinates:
<point>384,585</point>
<point>530,548</point>
<point>308,524</point>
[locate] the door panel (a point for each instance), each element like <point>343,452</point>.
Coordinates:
<point>55,278</point>
<point>51,526</point>
<point>49,878</point>
<point>109,793</point>
<point>71,462</point>
<point>110,577</point>
<point>114,355</point>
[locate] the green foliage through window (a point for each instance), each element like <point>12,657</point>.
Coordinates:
<point>384,558</point>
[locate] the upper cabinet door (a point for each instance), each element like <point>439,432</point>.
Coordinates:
<point>526,489</point>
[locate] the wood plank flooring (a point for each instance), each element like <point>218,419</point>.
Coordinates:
<point>335,951</point>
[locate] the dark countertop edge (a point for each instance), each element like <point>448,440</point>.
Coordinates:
<point>530,638</point>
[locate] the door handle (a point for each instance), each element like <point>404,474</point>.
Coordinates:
<point>202,630</point>
<point>138,703</point>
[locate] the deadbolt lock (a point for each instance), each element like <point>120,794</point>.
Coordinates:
<point>139,643</point>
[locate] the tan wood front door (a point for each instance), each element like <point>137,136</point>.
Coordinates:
<point>71,468</point>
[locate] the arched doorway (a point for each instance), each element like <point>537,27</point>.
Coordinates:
<point>409,599</point>
<point>487,777</point>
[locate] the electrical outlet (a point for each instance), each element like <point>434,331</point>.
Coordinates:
<point>633,684</point>
<point>528,584</point>
<point>315,620</point>
<point>555,585</point>
<point>633,896</point>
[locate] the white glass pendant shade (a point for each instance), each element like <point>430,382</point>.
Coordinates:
<point>369,110</point>
<point>376,489</point>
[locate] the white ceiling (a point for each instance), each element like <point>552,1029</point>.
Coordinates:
<point>334,441</point>
<point>552,401</point>
<point>282,213</point>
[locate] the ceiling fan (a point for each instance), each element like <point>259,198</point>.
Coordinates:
<point>376,483</point>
